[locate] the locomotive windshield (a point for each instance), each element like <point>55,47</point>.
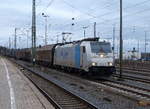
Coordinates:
<point>100,47</point>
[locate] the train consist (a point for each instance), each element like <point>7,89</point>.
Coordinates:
<point>88,56</point>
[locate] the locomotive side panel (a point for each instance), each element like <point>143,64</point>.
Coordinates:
<point>67,56</point>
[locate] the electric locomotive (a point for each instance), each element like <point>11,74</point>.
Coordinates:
<point>88,56</point>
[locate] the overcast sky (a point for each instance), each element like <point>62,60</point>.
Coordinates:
<point>17,14</point>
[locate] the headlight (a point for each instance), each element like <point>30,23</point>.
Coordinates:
<point>110,64</point>
<point>101,55</point>
<point>94,64</point>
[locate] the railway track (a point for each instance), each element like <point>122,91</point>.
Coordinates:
<point>129,71</point>
<point>137,69</point>
<point>127,90</point>
<point>135,75</point>
<point>147,71</point>
<point>60,97</point>
<point>133,78</point>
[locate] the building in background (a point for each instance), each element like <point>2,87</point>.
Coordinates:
<point>145,56</point>
<point>132,55</point>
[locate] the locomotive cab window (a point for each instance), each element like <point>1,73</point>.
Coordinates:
<point>84,49</point>
<point>100,47</point>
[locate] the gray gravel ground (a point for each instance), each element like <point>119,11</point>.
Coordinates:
<point>92,92</point>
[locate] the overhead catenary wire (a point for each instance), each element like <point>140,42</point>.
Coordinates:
<point>47,6</point>
<point>105,14</point>
<point>109,13</point>
<point>93,16</point>
<point>131,14</point>
<point>128,7</point>
<point>85,13</point>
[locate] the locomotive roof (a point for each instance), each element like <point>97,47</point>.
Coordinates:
<point>79,41</point>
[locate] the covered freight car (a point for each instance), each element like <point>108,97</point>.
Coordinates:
<point>44,55</point>
<point>23,54</point>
